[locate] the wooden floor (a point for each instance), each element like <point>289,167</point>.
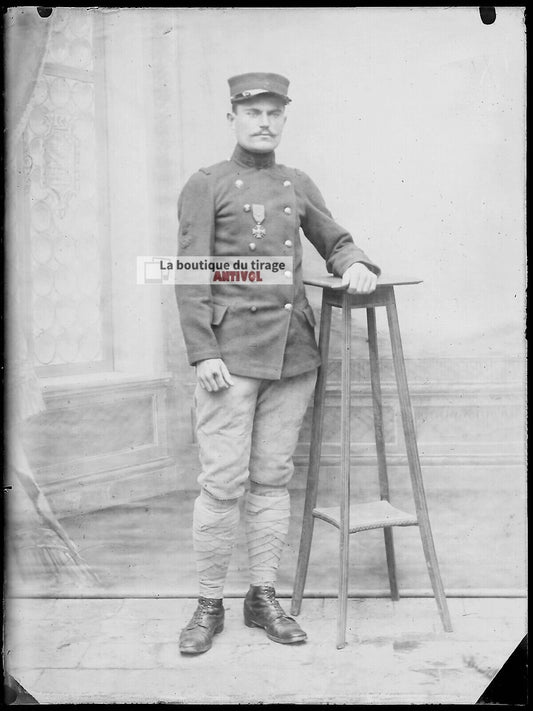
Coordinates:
<point>125,651</point>
<point>116,642</point>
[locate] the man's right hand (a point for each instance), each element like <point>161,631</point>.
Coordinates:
<point>212,375</point>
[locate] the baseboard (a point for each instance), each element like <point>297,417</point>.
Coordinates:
<point>285,593</point>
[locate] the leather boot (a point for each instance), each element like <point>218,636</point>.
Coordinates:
<point>261,609</point>
<point>207,621</point>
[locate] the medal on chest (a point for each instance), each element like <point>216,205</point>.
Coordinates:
<point>258,213</point>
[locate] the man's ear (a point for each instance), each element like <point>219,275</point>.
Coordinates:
<point>231,119</point>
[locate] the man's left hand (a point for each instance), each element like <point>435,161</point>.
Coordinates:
<point>359,279</point>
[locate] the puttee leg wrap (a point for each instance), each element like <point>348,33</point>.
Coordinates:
<point>215,526</point>
<point>267,525</point>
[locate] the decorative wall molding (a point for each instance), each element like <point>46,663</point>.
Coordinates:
<point>102,441</point>
<point>468,412</point>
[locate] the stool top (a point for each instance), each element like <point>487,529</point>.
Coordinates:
<point>327,281</point>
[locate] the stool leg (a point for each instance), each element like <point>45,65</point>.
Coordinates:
<point>314,460</point>
<point>414,463</point>
<point>344,530</point>
<point>380,444</point>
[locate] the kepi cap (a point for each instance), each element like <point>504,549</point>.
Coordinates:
<point>246,86</point>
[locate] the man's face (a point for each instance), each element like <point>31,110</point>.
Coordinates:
<point>258,123</point>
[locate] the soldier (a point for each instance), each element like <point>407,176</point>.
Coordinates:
<point>254,349</point>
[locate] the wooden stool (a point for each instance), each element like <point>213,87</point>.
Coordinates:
<point>350,518</point>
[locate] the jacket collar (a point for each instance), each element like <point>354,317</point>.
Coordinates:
<point>248,159</point>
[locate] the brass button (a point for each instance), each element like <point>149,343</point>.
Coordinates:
<point>252,246</point>
<point>288,243</point>
<point>253,309</point>
<point>286,183</point>
<point>247,208</point>
<point>239,183</point>
<point>287,211</point>
<point>288,307</point>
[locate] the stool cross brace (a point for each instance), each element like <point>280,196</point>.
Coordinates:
<point>351,518</point>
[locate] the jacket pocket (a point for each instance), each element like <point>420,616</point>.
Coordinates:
<point>310,316</point>
<point>219,311</point>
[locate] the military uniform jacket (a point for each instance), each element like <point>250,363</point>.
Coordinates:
<point>259,330</point>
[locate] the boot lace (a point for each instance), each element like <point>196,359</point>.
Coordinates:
<point>201,613</point>
<point>270,596</point>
